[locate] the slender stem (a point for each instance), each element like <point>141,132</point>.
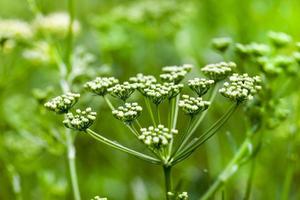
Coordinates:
<point>229,170</point>
<point>158,114</point>
<point>175,116</point>
<point>138,123</point>
<point>168,181</point>
<point>250,179</point>
<point>148,105</point>
<point>108,103</point>
<point>122,148</point>
<point>70,36</point>
<point>72,165</point>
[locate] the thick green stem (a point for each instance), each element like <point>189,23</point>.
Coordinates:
<point>168,180</point>
<point>108,103</point>
<point>72,164</point>
<point>250,179</point>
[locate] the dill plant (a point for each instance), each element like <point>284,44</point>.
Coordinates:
<point>167,145</point>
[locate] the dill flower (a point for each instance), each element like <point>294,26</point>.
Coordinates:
<point>175,73</point>
<point>279,39</point>
<point>157,137</point>
<point>62,104</point>
<point>122,91</point>
<point>241,87</point>
<point>15,29</point>
<point>218,71</point>
<point>142,81</point>
<point>200,85</point>
<point>183,196</point>
<point>56,24</point>
<point>39,53</point>
<point>252,49</point>
<point>127,113</point>
<point>221,44</point>
<point>193,105</point>
<point>157,93</point>
<point>81,121</point>
<point>100,85</point>
<point>174,89</point>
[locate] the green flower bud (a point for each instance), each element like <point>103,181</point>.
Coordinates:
<point>143,81</point>
<point>174,89</point>
<point>122,91</point>
<point>279,39</point>
<point>183,196</point>
<point>157,138</point>
<point>100,85</point>
<point>157,93</point>
<point>193,105</point>
<point>221,44</point>
<point>296,56</point>
<point>62,104</point>
<point>218,71</point>
<point>81,121</point>
<point>241,87</point>
<point>200,85</point>
<point>128,113</point>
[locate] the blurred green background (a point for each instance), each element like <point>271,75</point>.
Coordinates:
<point>122,38</point>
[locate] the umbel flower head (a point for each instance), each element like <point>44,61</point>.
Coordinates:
<point>157,137</point>
<point>15,29</point>
<point>128,113</point>
<point>221,44</point>
<point>200,85</point>
<point>122,91</point>
<point>157,93</point>
<point>279,39</point>
<point>218,71</point>
<point>81,121</point>
<point>62,104</point>
<point>174,89</point>
<point>241,87</point>
<point>142,81</point>
<point>100,85</point>
<point>175,74</point>
<point>193,105</point>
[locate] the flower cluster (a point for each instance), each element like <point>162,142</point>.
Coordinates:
<point>183,196</point>
<point>142,81</point>
<point>200,85</point>
<point>128,112</point>
<point>56,24</point>
<point>157,137</point>
<point>193,105</point>
<point>81,120</point>
<point>175,74</point>
<point>14,29</point>
<point>221,44</point>
<point>279,39</point>
<point>62,104</point>
<point>174,89</point>
<point>157,93</point>
<point>252,49</point>
<point>100,85</point>
<point>218,71</point>
<point>122,91</point>
<point>241,87</point>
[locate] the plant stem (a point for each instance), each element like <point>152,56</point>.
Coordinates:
<point>175,113</point>
<point>150,110</point>
<point>168,181</point>
<point>108,103</point>
<point>122,148</point>
<point>158,114</point>
<point>250,179</point>
<point>72,164</point>
<point>70,36</point>
<point>228,172</point>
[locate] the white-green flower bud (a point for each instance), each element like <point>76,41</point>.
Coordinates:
<point>241,87</point>
<point>143,81</point>
<point>174,89</point>
<point>218,71</point>
<point>296,56</point>
<point>175,74</point>
<point>193,105</point>
<point>183,196</point>
<point>80,121</point>
<point>252,49</point>
<point>279,39</point>
<point>13,29</point>
<point>221,44</point>
<point>200,85</point>
<point>62,104</point>
<point>157,138</point>
<point>128,113</point>
<point>157,93</point>
<point>122,91</point>
<point>100,85</point>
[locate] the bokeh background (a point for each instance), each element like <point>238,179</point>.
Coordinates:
<point>122,38</point>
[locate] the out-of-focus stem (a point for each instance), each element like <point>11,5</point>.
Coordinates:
<point>168,180</point>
